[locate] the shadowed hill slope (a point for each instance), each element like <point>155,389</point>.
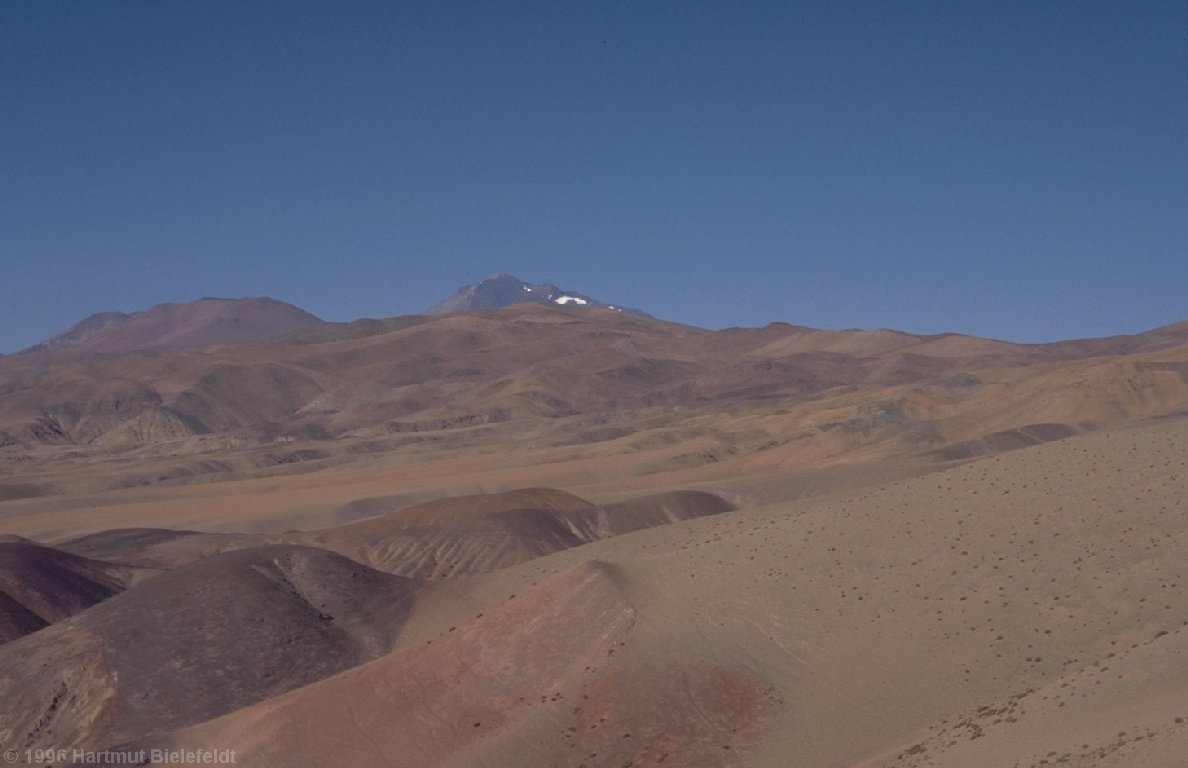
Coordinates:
<point>195,643</point>
<point>41,585</point>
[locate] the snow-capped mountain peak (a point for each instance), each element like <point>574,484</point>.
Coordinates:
<point>502,290</point>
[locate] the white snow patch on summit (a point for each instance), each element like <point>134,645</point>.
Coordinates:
<point>568,299</point>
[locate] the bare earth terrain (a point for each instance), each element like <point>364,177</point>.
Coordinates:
<point>570,536</point>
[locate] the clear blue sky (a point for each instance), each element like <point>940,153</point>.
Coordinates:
<point>1015,170</point>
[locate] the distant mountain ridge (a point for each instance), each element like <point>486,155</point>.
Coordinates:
<point>542,360</point>
<point>205,322</point>
<point>503,290</point>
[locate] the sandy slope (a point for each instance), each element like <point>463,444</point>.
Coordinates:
<point>881,615</point>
